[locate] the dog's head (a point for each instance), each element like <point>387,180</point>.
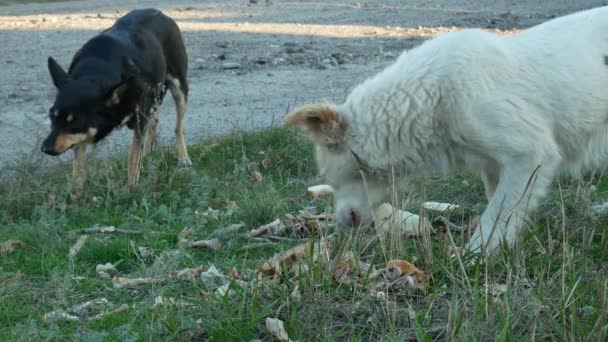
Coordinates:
<point>87,109</point>
<point>357,189</point>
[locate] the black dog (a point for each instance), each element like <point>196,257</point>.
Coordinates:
<point>120,77</point>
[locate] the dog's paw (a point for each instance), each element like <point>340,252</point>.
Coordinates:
<point>184,163</point>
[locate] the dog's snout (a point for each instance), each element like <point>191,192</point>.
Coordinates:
<point>355,218</point>
<point>350,217</point>
<point>48,150</point>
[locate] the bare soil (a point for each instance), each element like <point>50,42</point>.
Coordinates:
<point>250,61</point>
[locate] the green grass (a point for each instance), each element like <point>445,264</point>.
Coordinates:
<point>556,283</point>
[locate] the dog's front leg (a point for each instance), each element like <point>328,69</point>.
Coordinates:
<point>135,156</point>
<point>521,186</point>
<point>78,172</point>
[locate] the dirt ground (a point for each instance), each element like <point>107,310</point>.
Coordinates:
<point>250,61</point>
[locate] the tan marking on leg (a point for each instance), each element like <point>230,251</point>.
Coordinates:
<point>78,172</point>
<point>180,109</point>
<point>151,134</point>
<point>134,162</point>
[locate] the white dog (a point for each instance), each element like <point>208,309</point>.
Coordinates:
<point>517,109</point>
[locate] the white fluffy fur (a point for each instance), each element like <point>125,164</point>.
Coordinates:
<point>516,109</point>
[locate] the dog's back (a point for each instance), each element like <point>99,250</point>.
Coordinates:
<point>138,35</point>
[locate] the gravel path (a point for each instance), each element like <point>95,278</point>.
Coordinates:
<point>250,61</point>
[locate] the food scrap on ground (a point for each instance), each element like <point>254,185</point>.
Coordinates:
<point>319,191</point>
<point>391,220</point>
<point>10,246</point>
<point>304,223</point>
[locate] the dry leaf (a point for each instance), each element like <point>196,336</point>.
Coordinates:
<point>276,328</point>
<point>10,245</point>
<point>319,191</point>
<point>77,246</point>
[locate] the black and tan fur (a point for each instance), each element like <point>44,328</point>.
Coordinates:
<point>120,77</point>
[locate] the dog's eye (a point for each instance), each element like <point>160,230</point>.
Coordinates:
<point>69,118</point>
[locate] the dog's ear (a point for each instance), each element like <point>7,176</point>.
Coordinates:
<point>130,72</point>
<point>322,123</point>
<point>59,76</point>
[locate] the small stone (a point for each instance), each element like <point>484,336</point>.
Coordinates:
<point>231,66</point>
<point>222,44</point>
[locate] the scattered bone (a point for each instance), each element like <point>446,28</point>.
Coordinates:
<point>231,228</point>
<point>292,256</point>
<point>187,273</point>
<point>344,265</point>
<point>440,207</point>
<point>441,223</point>
<point>210,213</point>
<point>10,245</point>
<point>59,316</point>
<point>399,221</point>
<point>213,244</point>
<point>83,311</point>
<point>296,294</point>
<point>77,246</point>
<point>182,237</point>
<point>319,191</point>
<point>399,275</point>
<point>145,252</point>
<point>106,271</point>
<point>213,278</point>
<point>276,328</point>
<point>406,267</point>
<point>600,209</point>
<point>87,308</point>
<point>304,223</point>
<point>120,282</point>
<point>122,308</point>
<point>108,229</point>
<point>275,227</point>
<point>256,177</point>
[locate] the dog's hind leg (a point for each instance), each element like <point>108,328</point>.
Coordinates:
<point>180,96</point>
<point>135,156</point>
<point>78,172</point>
